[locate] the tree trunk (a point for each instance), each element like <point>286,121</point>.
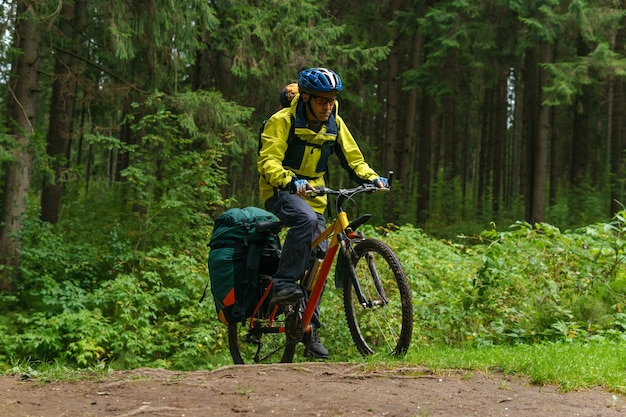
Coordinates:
<point>21,109</point>
<point>556,158</point>
<point>450,126</point>
<point>542,146</point>
<point>529,129</point>
<point>424,163</point>
<point>617,119</point>
<point>485,149</point>
<point>120,160</point>
<point>581,140</point>
<point>62,107</point>
<point>391,133</point>
<point>500,140</point>
<point>410,111</point>
<point>516,155</point>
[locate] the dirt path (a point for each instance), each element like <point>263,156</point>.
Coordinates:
<point>304,389</point>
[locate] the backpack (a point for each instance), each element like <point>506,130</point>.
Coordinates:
<point>239,254</point>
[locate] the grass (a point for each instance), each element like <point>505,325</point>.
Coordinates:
<point>54,371</point>
<point>571,366</point>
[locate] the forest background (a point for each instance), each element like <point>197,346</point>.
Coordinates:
<point>130,125</point>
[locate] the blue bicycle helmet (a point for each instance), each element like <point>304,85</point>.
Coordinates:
<point>319,79</point>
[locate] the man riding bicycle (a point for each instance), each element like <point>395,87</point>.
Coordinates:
<point>296,143</point>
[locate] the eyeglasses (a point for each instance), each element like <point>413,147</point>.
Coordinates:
<point>323,100</point>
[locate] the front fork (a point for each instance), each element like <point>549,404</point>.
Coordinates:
<point>348,254</point>
<point>347,251</point>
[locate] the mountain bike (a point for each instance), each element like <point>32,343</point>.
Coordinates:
<point>376,295</point>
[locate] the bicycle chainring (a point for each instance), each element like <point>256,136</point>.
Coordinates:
<point>293,324</point>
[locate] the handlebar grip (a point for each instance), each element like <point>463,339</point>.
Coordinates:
<point>318,191</point>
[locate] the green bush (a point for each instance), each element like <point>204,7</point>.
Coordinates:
<point>129,308</point>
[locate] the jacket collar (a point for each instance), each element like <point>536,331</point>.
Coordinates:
<point>301,122</point>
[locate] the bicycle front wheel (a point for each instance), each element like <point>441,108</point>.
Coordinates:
<point>382,321</point>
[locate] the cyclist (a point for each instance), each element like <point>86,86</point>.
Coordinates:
<point>296,143</point>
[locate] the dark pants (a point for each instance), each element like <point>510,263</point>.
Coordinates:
<point>304,225</point>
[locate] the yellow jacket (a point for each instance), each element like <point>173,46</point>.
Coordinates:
<point>279,161</point>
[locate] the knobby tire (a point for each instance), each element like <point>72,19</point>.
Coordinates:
<point>386,325</point>
<point>275,347</point>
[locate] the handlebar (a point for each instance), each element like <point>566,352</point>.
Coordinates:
<point>349,192</point>
<point>343,194</point>
<point>346,194</point>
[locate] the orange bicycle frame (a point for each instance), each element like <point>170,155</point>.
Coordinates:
<point>335,229</point>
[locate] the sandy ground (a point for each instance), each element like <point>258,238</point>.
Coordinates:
<point>303,389</point>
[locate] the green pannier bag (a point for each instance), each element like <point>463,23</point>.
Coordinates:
<point>239,254</point>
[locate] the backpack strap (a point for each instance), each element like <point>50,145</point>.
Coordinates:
<point>292,133</point>
<point>327,148</point>
<point>261,133</point>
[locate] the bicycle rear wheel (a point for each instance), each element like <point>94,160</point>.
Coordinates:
<point>264,341</point>
<point>384,322</point>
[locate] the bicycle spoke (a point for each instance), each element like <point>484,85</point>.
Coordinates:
<point>384,323</point>
<point>258,359</point>
<point>264,343</point>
